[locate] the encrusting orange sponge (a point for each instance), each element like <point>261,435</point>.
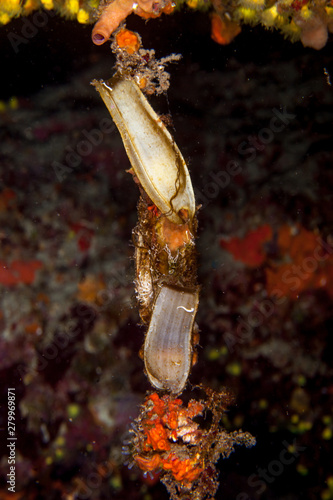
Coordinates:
<point>128,40</point>
<point>116,11</point>
<point>224,30</point>
<point>167,421</point>
<point>111,17</point>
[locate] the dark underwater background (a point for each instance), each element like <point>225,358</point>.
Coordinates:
<point>254,121</point>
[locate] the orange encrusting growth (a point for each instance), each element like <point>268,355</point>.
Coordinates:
<point>157,438</point>
<point>168,443</point>
<point>249,249</point>
<point>166,421</point>
<point>128,40</point>
<point>168,9</point>
<point>224,30</point>
<point>117,11</point>
<point>19,272</point>
<point>173,235</point>
<point>186,470</point>
<point>111,17</point>
<point>148,464</point>
<point>307,264</point>
<point>303,261</point>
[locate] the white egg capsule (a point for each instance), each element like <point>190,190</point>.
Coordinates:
<point>168,343</point>
<point>155,158</point>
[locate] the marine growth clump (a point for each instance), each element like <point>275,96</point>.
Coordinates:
<point>308,21</point>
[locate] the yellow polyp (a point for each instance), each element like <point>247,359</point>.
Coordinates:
<point>10,6</point>
<point>73,410</point>
<point>193,4</point>
<point>116,482</point>
<point>301,380</point>
<point>325,495</point>
<point>234,369</point>
<point>329,482</point>
<point>94,4</point>
<point>271,17</point>
<point>213,354</point>
<point>329,11</point>
<point>238,421</point>
<point>59,453</point>
<point>294,419</point>
<point>262,404</point>
<point>304,426</point>
<point>72,6</point>
<point>13,103</point>
<point>226,422</point>
<point>292,449</point>
<point>302,470</point>
<point>4,18</point>
<point>48,4</point>
<point>29,6</point>
<point>249,16</point>
<point>292,31</point>
<point>83,16</point>
<point>60,441</point>
<point>48,460</point>
<point>224,350</point>
<point>305,13</point>
<point>27,379</point>
<point>2,106</point>
<point>327,434</point>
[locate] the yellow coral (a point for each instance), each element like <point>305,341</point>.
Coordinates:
<point>249,16</point>
<point>48,4</point>
<point>193,4</point>
<point>30,5</point>
<point>329,11</point>
<point>72,6</point>
<point>271,17</point>
<point>327,433</point>
<point>305,13</point>
<point>83,16</point>
<point>198,4</point>
<point>9,9</point>
<point>10,6</point>
<point>13,103</point>
<point>4,18</point>
<point>292,31</point>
